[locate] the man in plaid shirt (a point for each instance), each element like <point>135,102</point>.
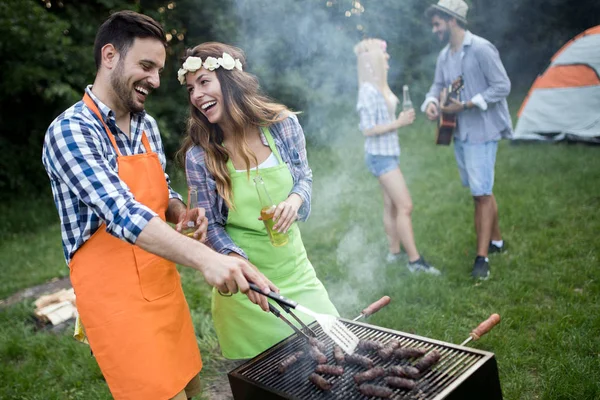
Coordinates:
<point>106,163</point>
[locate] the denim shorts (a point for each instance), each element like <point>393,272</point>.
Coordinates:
<point>379,165</point>
<point>476,165</point>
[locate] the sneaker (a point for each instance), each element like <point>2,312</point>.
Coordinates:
<point>481,268</point>
<point>393,257</point>
<point>421,265</point>
<point>492,248</point>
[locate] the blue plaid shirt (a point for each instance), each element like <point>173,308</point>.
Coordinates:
<point>82,166</point>
<point>373,110</point>
<point>290,142</point>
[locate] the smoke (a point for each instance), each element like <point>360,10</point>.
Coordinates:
<point>302,53</point>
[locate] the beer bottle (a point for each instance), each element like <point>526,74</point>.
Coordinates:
<point>406,103</point>
<point>189,226</point>
<point>267,211</point>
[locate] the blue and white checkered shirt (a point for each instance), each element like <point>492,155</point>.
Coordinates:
<point>82,166</point>
<point>372,110</point>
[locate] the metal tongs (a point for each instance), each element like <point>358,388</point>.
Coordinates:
<point>331,325</point>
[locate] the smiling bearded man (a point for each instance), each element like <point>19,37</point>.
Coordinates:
<point>106,165</point>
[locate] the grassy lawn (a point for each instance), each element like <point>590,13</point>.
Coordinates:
<point>546,287</point>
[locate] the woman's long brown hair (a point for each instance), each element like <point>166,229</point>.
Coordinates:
<point>244,105</point>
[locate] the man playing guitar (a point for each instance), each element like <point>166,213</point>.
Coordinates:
<point>481,121</point>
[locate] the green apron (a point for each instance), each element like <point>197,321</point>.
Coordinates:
<point>243,328</point>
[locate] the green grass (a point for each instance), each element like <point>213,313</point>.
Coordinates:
<point>546,287</point>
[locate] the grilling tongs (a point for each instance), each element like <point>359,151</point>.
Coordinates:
<point>331,326</point>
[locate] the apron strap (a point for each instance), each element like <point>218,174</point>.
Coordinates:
<point>92,106</point>
<point>271,143</point>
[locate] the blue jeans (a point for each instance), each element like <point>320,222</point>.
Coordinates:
<point>476,163</point>
<point>379,165</point>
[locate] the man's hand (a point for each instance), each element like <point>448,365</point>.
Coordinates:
<point>230,274</point>
<point>432,111</point>
<point>406,118</point>
<point>255,297</point>
<point>454,107</point>
<point>200,222</point>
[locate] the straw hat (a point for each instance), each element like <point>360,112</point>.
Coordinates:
<point>455,8</point>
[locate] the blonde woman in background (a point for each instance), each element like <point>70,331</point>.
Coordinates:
<point>376,107</point>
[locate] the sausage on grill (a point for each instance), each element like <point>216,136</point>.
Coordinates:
<point>374,390</point>
<point>326,369</point>
<point>313,341</point>
<point>428,360</point>
<point>338,354</point>
<point>316,355</point>
<point>369,345</point>
<point>357,359</point>
<point>409,352</point>
<point>401,383</point>
<point>289,361</point>
<point>386,352</point>
<point>369,375</point>
<point>319,381</point>
<point>404,371</point>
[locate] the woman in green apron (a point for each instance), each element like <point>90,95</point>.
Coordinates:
<point>234,134</point>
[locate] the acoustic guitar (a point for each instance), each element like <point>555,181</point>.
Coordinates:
<point>447,122</point>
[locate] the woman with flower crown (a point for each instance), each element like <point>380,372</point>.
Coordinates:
<point>235,133</point>
<point>376,107</point>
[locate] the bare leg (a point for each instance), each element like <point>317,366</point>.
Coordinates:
<point>484,221</point>
<point>394,186</point>
<point>389,223</point>
<point>496,235</point>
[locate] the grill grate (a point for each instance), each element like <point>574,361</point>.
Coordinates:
<point>455,364</point>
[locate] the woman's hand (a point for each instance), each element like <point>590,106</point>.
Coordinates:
<point>286,213</point>
<point>406,118</point>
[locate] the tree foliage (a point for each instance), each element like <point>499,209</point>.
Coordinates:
<point>300,50</point>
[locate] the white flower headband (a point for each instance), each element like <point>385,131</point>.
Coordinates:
<point>193,64</point>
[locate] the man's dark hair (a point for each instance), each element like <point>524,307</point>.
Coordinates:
<point>432,11</point>
<point>121,29</point>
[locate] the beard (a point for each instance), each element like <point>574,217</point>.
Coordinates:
<point>125,94</point>
<point>445,37</point>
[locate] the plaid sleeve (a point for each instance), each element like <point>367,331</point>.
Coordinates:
<point>198,176</point>
<point>291,131</point>
<point>367,107</point>
<point>74,155</point>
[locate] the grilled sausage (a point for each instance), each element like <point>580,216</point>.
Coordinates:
<point>316,355</point>
<point>369,345</point>
<point>338,354</point>
<point>401,383</point>
<point>409,352</point>
<point>369,375</point>
<point>289,361</point>
<point>319,381</point>
<point>357,359</point>
<point>428,360</point>
<point>374,390</point>
<point>404,371</point>
<point>326,369</point>
<point>386,352</point>
<point>313,341</point>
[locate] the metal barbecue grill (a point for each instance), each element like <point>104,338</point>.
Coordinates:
<point>462,373</point>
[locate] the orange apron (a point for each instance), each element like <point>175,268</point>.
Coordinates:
<point>131,302</point>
